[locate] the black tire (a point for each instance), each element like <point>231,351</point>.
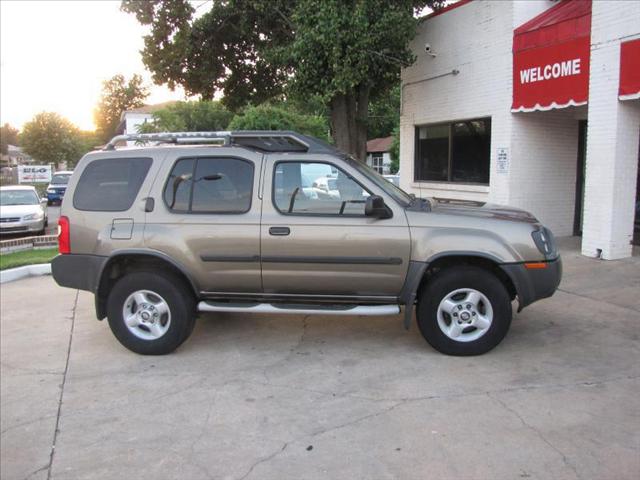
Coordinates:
<point>173,291</point>
<point>449,280</point>
<point>46,221</point>
<point>49,203</point>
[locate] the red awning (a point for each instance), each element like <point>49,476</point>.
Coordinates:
<point>551,58</point>
<point>629,70</point>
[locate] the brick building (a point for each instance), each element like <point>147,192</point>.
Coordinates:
<point>531,103</point>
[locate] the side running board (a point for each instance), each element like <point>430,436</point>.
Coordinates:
<point>298,309</point>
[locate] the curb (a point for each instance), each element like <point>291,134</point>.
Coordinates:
<point>13,274</point>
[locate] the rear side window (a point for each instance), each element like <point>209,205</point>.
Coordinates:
<point>111,184</point>
<point>210,185</point>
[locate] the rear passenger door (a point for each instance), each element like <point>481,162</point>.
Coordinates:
<point>207,217</point>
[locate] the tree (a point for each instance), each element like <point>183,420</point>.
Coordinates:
<point>50,138</point>
<point>118,95</point>
<point>345,52</point>
<point>8,136</point>
<point>189,117</point>
<point>384,114</point>
<point>274,117</point>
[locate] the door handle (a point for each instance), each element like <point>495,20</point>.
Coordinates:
<point>279,231</point>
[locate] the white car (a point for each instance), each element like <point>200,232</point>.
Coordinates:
<point>22,211</point>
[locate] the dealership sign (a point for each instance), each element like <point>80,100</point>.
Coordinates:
<point>34,173</point>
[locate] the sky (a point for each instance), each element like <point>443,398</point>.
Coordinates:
<point>54,56</point>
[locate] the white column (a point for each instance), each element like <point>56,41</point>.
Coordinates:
<point>612,159</point>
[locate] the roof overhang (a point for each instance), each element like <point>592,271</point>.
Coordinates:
<point>551,58</point>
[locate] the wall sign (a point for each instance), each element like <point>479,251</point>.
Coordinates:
<point>502,155</point>
<point>34,173</point>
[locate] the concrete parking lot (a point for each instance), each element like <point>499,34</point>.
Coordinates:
<point>264,397</point>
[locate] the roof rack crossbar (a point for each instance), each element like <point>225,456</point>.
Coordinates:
<point>271,139</point>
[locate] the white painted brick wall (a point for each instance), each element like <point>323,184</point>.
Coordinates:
<point>613,137</point>
<point>542,180</point>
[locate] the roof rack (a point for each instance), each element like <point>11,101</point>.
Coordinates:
<point>263,140</point>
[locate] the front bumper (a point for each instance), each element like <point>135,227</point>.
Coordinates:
<point>533,285</point>
<point>22,227</point>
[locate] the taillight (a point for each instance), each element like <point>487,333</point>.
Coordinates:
<point>64,240</point>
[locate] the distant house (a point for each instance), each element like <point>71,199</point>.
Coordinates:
<point>130,120</point>
<point>15,156</point>
<point>378,156</point>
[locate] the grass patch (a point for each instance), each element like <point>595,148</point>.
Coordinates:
<point>27,257</point>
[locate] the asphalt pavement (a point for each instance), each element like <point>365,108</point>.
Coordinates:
<point>267,397</point>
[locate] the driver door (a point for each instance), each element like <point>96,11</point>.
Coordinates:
<point>319,242</point>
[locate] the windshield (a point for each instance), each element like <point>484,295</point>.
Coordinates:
<point>389,188</point>
<point>18,197</point>
<point>60,179</point>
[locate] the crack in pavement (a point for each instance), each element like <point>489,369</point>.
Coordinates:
<point>41,469</point>
<point>295,347</point>
<point>264,459</point>
<point>565,460</point>
<point>64,381</point>
<point>599,300</point>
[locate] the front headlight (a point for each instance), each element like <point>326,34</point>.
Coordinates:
<point>51,190</point>
<point>33,216</point>
<point>543,238</point>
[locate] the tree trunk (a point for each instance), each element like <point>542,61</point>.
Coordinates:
<point>349,115</point>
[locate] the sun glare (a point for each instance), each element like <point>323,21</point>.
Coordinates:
<point>55,55</point>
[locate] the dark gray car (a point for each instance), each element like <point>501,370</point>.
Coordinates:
<point>231,222</point>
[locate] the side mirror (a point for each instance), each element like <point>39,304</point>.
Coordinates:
<point>43,202</point>
<point>375,207</point>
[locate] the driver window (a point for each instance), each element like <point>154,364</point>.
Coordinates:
<point>317,189</point>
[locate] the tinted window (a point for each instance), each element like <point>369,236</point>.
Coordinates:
<point>297,189</point>
<point>454,152</point>
<point>210,185</point>
<point>60,179</point>
<point>177,193</point>
<point>110,185</point>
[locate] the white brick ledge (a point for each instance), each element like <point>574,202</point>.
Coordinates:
<point>13,274</point>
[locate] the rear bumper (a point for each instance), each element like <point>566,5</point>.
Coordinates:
<point>78,271</point>
<point>55,197</point>
<point>533,285</point>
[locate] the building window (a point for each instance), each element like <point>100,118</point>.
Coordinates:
<point>454,152</point>
<point>377,162</point>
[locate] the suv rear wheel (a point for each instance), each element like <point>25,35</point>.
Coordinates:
<point>151,313</point>
<point>464,311</point>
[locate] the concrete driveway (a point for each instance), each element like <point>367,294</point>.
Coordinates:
<point>257,397</point>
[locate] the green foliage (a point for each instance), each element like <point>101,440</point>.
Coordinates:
<point>384,114</point>
<point>274,117</point>
<point>343,52</point>
<point>199,116</point>
<point>50,138</point>
<point>118,95</point>
<point>27,257</point>
<point>8,136</point>
<point>394,153</point>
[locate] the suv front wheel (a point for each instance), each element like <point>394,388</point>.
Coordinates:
<point>464,311</point>
<point>151,313</point>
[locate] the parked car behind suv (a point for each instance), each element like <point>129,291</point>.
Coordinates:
<point>225,222</point>
<point>22,210</point>
<point>58,187</point>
